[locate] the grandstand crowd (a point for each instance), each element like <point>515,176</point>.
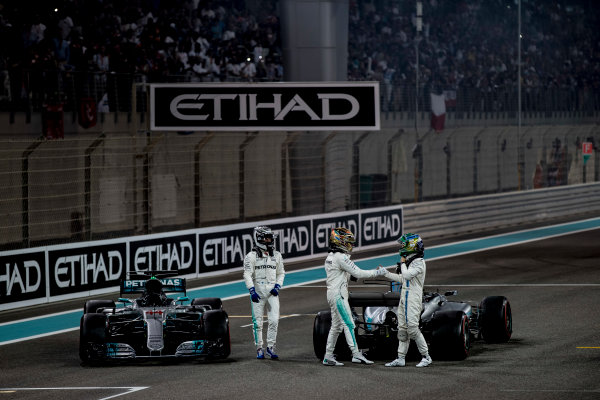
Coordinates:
<point>199,39</point>
<point>465,45</point>
<point>473,45</point>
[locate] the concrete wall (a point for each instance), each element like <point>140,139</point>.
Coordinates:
<point>142,182</point>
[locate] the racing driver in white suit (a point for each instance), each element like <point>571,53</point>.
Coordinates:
<point>411,274</point>
<point>263,275</point>
<point>339,268</point>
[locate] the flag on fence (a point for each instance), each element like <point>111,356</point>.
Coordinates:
<point>53,121</point>
<point>450,98</point>
<point>88,115</point>
<point>438,112</point>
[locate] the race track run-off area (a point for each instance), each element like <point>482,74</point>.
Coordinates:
<point>551,276</point>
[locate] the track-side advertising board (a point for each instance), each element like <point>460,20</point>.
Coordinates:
<point>52,273</point>
<point>292,106</point>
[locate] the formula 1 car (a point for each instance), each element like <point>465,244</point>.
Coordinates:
<point>153,326</point>
<point>448,327</point>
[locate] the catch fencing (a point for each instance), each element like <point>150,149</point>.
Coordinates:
<point>118,179</point>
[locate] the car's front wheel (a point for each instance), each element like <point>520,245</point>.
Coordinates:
<point>216,328</point>
<point>92,336</point>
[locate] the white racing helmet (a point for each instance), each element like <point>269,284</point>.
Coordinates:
<point>264,238</point>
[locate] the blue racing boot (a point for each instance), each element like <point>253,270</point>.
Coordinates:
<point>260,354</point>
<point>271,353</point>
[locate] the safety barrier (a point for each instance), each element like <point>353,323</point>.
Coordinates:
<point>446,218</point>
<point>52,273</point>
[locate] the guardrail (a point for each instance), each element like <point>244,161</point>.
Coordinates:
<point>445,218</point>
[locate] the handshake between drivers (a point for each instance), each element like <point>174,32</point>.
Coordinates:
<point>380,271</point>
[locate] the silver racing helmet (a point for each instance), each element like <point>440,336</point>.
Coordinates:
<point>264,238</point>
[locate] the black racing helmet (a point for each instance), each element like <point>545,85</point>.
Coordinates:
<point>154,286</point>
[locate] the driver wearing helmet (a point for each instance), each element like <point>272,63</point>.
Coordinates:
<point>263,275</point>
<point>153,295</point>
<point>411,274</point>
<point>339,269</point>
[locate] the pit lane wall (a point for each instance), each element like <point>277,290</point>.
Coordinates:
<point>53,273</point>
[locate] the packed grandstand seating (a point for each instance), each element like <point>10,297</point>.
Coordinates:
<point>472,45</point>
<point>466,47</point>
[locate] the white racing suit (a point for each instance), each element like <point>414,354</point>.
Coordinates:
<point>412,278</point>
<point>339,268</point>
<point>263,272</point>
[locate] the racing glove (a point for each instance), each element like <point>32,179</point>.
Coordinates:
<point>380,271</point>
<point>275,290</point>
<point>253,295</point>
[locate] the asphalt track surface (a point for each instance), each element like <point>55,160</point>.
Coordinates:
<point>553,286</point>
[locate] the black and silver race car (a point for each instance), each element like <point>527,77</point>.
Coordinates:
<point>153,326</point>
<point>449,327</point>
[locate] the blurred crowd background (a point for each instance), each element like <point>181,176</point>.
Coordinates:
<point>64,50</point>
<point>472,46</point>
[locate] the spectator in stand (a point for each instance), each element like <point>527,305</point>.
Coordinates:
<point>466,46</point>
<point>469,47</point>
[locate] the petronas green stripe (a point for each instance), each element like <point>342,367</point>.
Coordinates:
<point>254,324</point>
<point>347,318</point>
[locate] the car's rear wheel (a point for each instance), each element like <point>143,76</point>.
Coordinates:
<point>495,319</point>
<point>92,306</point>
<point>451,337</point>
<point>215,303</point>
<point>321,328</point>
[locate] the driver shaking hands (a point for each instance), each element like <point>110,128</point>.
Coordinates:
<point>339,269</point>
<point>411,274</point>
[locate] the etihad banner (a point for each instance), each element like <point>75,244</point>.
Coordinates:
<point>76,269</point>
<point>22,276</point>
<point>163,254</point>
<point>303,106</point>
<point>59,272</point>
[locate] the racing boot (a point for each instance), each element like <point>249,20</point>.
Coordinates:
<point>398,362</point>
<point>425,362</point>
<point>271,353</point>
<point>260,354</point>
<point>358,358</point>
<point>331,361</point>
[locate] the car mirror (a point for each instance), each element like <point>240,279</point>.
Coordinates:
<point>451,293</point>
<point>124,300</point>
<point>182,299</point>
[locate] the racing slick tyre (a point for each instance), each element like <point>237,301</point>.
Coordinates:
<point>321,328</point>
<point>495,319</point>
<point>451,336</point>
<point>215,303</point>
<point>92,306</point>
<point>216,329</point>
<point>92,335</point>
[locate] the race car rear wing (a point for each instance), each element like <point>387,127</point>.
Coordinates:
<point>170,285</point>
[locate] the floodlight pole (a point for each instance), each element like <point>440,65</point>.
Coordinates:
<point>418,153</point>
<point>520,150</point>
<point>419,26</point>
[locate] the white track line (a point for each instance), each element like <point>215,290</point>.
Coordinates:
<point>130,389</point>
